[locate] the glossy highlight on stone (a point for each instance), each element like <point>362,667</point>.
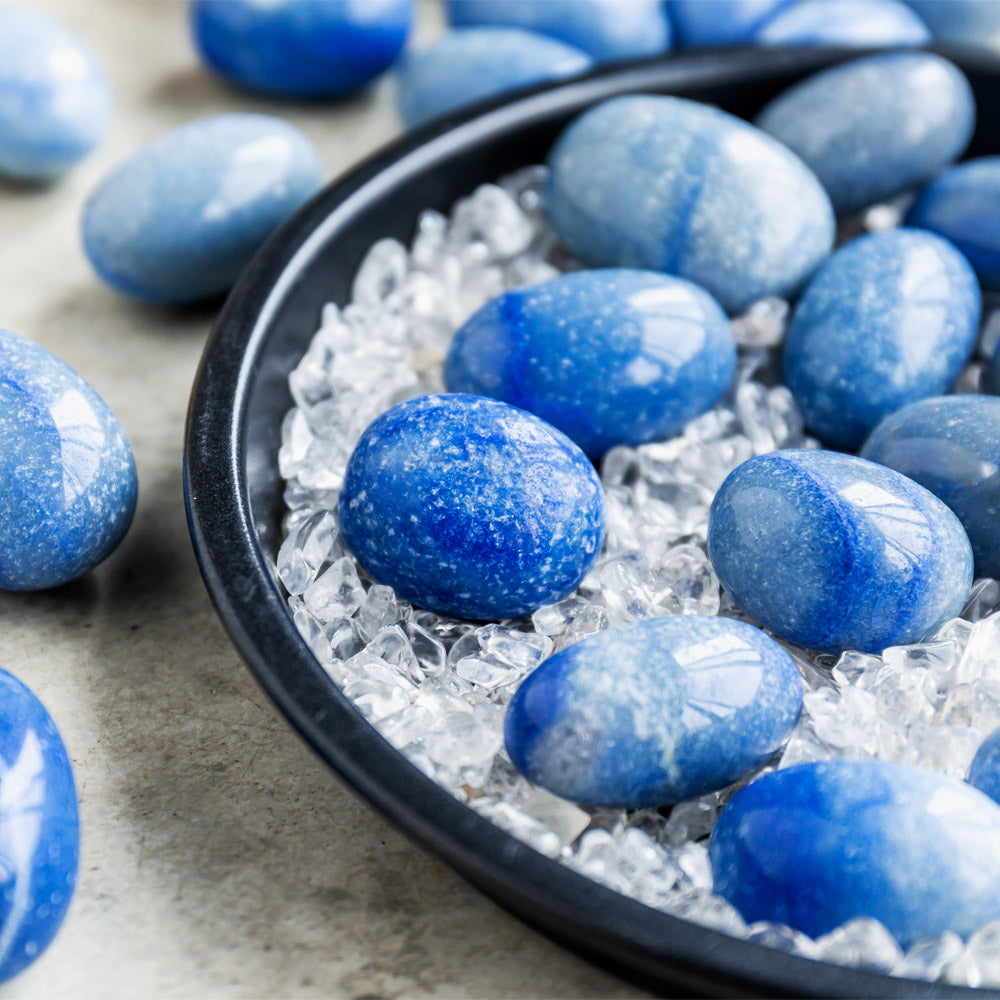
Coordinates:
<point>848,23</point>
<point>874,126</point>
<point>984,771</point>
<point>609,357</point>
<point>470,507</point>
<point>891,318</point>
<point>834,552</point>
<point>701,24</point>
<point>721,204</point>
<point>179,219</point>
<point>818,844</point>
<point>68,478</point>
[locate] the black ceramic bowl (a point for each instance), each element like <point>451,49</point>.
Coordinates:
<point>234,503</point>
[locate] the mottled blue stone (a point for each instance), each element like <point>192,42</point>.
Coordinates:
<point>984,771</point>
<point>470,507</point>
<point>301,48</point>
<point>68,478</point>
<point>874,126</point>
<point>609,357</point>
<point>56,103</point>
<point>654,712</point>
<point>672,185</point>
<point>889,319</point>
<point>849,23</point>
<point>995,371</point>
<point>951,446</point>
<point>698,24</point>
<point>180,218</point>
<point>834,552</point>
<point>967,22</point>
<point>471,64</point>
<point>818,844</point>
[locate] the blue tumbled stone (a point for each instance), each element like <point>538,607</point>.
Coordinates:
<point>722,203</point>
<point>874,126</point>
<point>55,103</point>
<point>180,218</point>
<point>834,552</point>
<point>67,477</point>
<point>701,24</point>
<point>471,64</point>
<point>994,372</point>
<point>984,771</point>
<point>967,22</point>
<point>654,712</point>
<point>818,844</point>
<point>609,357</point>
<point>301,48</point>
<point>471,507</point>
<point>847,23</point>
<point>889,319</point>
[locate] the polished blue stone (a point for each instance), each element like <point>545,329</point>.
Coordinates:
<point>180,218</point>
<point>471,64</point>
<point>984,771</point>
<point>301,48</point>
<point>470,507</point>
<point>818,844</point>
<point>654,712</point>
<point>967,22</point>
<point>67,477</point>
<point>951,446</point>
<point>994,372</point>
<point>834,552</point>
<point>55,103</point>
<point>701,24</point>
<point>609,357</point>
<point>672,185</point>
<point>874,126</point>
<point>889,319</point>
<point>848,23</point>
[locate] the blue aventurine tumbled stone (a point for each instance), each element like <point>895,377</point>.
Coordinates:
<point>854,23</point>
<point>818,844</point>
<point>654,712</point>
<point>181,217</point>
<point>874,126</point>
<point>67,477</point>
<point>984,771</point>
<point>470,507</point>
<point>698,24</point>
<point>609,357</point>
<point>834,552</point>
<point>889,319</point>
<point>722,204</point>
<point>967,22</point>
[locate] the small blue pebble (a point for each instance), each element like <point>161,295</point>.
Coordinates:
<point>609,357</point>
<point>470,64</point>
<point>966,22</point>
<point>847,23</point>
<point>180,218</point>
<point>654,712</point>
<point>68,478</point>
<point>951,446</point>
<point>984,772</point>
<point>889,319</point>
<point>702,24</point>
<point>676,186</point>
<point>818,844</point>
<point>301,48</point>
<point>834,552</point>
<point>56,102</point>
<point>874,126</point>
<point>470,507</point>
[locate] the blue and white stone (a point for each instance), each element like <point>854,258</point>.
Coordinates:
<point>951,446</point>
<point>818,844</point>
<point>68,478</point>
<point>179,219</point>
<point>654,712</point>
<point>847,23</point>
<point>984,771</point>
<point>701,24</point>
<point>874,126</point>
<point>995,371</point>
<point>889,319</point>
<point>56,102</point>
<point>609,357</point>
<point>471,64</point>
<point>965,22</point>
<point>672,185</point>
<point>834,552</point>
<point>470,507</point>
<point>301,48</point>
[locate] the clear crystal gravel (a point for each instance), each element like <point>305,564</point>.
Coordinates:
<point>437,688</point>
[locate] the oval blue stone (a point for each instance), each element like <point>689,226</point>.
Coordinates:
<point>68,478</point>
<point>984,771</point>
<point>723,204</point>
<point>889,319</point>
<point>470,507</point>
<point>654,712</point>
<point>698,24</point>
<point>874,126</point>
<point>847,23</point>
<point>180,218</point>
<point>819,844</point>
<point>834,552</point>
<point>609,357</point>
<point>968,22</point>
